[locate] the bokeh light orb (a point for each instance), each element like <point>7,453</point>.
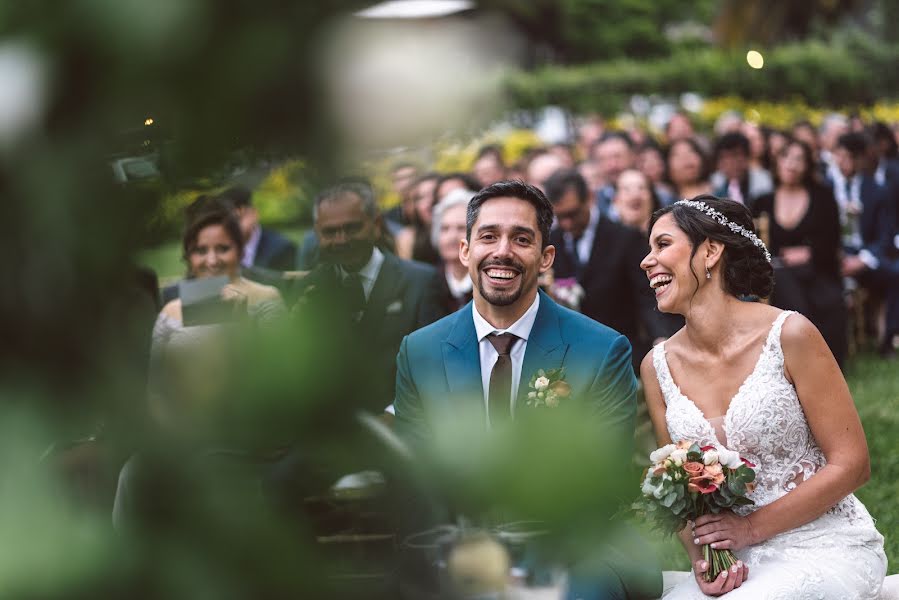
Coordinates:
<point>755,59</point>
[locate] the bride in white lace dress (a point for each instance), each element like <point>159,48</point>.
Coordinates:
<point>761,382</point>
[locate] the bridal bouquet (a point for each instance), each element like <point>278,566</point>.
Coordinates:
<point>686,481</point>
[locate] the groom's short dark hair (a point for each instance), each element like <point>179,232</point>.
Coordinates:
<point>513,189</point>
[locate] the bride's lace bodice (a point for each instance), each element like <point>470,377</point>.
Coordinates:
<point>765,423</point>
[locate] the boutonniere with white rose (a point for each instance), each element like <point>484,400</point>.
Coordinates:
<point>548,388</point>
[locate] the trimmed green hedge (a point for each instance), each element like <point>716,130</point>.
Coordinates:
<point>846,73</point>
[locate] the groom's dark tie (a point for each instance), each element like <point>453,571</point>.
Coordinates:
<point>499,398</point>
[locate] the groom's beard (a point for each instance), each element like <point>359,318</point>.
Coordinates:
<point>501,297</point>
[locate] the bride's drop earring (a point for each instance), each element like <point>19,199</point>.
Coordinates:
<point>708,274</point>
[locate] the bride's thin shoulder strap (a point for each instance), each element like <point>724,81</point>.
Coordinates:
<point>774,334</point>
<point>661,367</point>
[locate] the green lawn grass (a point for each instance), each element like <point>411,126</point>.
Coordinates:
<point>874,383</point>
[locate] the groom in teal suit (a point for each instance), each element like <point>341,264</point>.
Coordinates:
<point>479,361</point>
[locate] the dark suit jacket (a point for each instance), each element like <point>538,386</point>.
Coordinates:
<point>617,290</point>
<point>275,252</point>
<point>404,298</point>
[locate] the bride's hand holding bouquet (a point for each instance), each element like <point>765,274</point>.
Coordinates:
<point>689,483</point>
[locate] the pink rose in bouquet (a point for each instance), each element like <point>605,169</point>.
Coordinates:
<point>686,481</point>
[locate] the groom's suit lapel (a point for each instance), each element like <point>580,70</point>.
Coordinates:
<point>546,349</point>
<point>462,359</point>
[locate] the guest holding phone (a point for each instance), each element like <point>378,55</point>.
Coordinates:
<point>212,246</point>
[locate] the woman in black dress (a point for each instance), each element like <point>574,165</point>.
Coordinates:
<point>804,228</point>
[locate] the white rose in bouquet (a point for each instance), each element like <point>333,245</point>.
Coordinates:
<point>678,456</point>
<point>661,454</point>
<point>541,384</point>
<point>729,458</point>
<point>710,457</point>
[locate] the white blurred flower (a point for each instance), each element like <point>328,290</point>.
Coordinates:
<point>710,457</point>
<point>24,90</point>
<point>662,453</point>
<point>541,384</point>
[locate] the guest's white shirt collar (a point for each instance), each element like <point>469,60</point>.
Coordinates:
<point>520,328</point>
<point>249,249</point>
<point>369,272</point>
<point>458,287</point>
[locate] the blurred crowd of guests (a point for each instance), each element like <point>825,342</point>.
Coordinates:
<point>827,198</point>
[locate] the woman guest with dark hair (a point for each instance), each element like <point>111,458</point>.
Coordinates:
<point>413,241</point>
<point>212,246</point>
<point>804,237</point>
<point>688,168</point>
<point>757,381</point>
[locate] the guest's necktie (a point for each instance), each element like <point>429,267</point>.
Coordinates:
<point>571,247</point>
<point>354,294</point>
<point>499,398</point>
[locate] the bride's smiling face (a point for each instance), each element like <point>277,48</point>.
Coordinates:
<point>667,266</point>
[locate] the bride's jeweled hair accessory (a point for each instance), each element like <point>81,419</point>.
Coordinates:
<point>705,208</point>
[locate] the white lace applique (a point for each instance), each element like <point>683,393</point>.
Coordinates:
<point>765,423</point>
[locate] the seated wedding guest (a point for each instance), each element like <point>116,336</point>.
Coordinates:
<point>887,155</point>
<point>212,246</point>
<point>403,178</point>
<point>263,247</point>
<point>255,273</point>
<point>308,257</point>
<point>777,139</point>
<point>413,241</point>
<point>541,167</point>
<point>758,145</point>
<point>613,153</point>
<point>635,200</point>
<point>759,383</point>
<point>563,151</point>
<point>679,127</point>
<point>448,229</point>
<point>604,258</point>
<point>737,177</point>
<point>453,181</point>
<point>590,172</point>
<point>651,162</point>
<point>688,169</point>
<point>868,215</point>
<point>365,299</point>
<point>488,166</point>
<point>804,236</point>
<point>588,133</point>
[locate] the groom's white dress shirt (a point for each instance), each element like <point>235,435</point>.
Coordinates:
<point>520,328</point>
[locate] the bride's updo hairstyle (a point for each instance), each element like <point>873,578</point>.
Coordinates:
<point>746,268</point>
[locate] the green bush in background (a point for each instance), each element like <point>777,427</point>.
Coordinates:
<point>853,71</point>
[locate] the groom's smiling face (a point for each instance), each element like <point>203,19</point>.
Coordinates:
<point>505,254</point>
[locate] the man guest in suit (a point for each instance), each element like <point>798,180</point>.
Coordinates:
<point>263,247</point>
<point>605,258</point>
<point>480,359</point>
<point>369,298</point>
